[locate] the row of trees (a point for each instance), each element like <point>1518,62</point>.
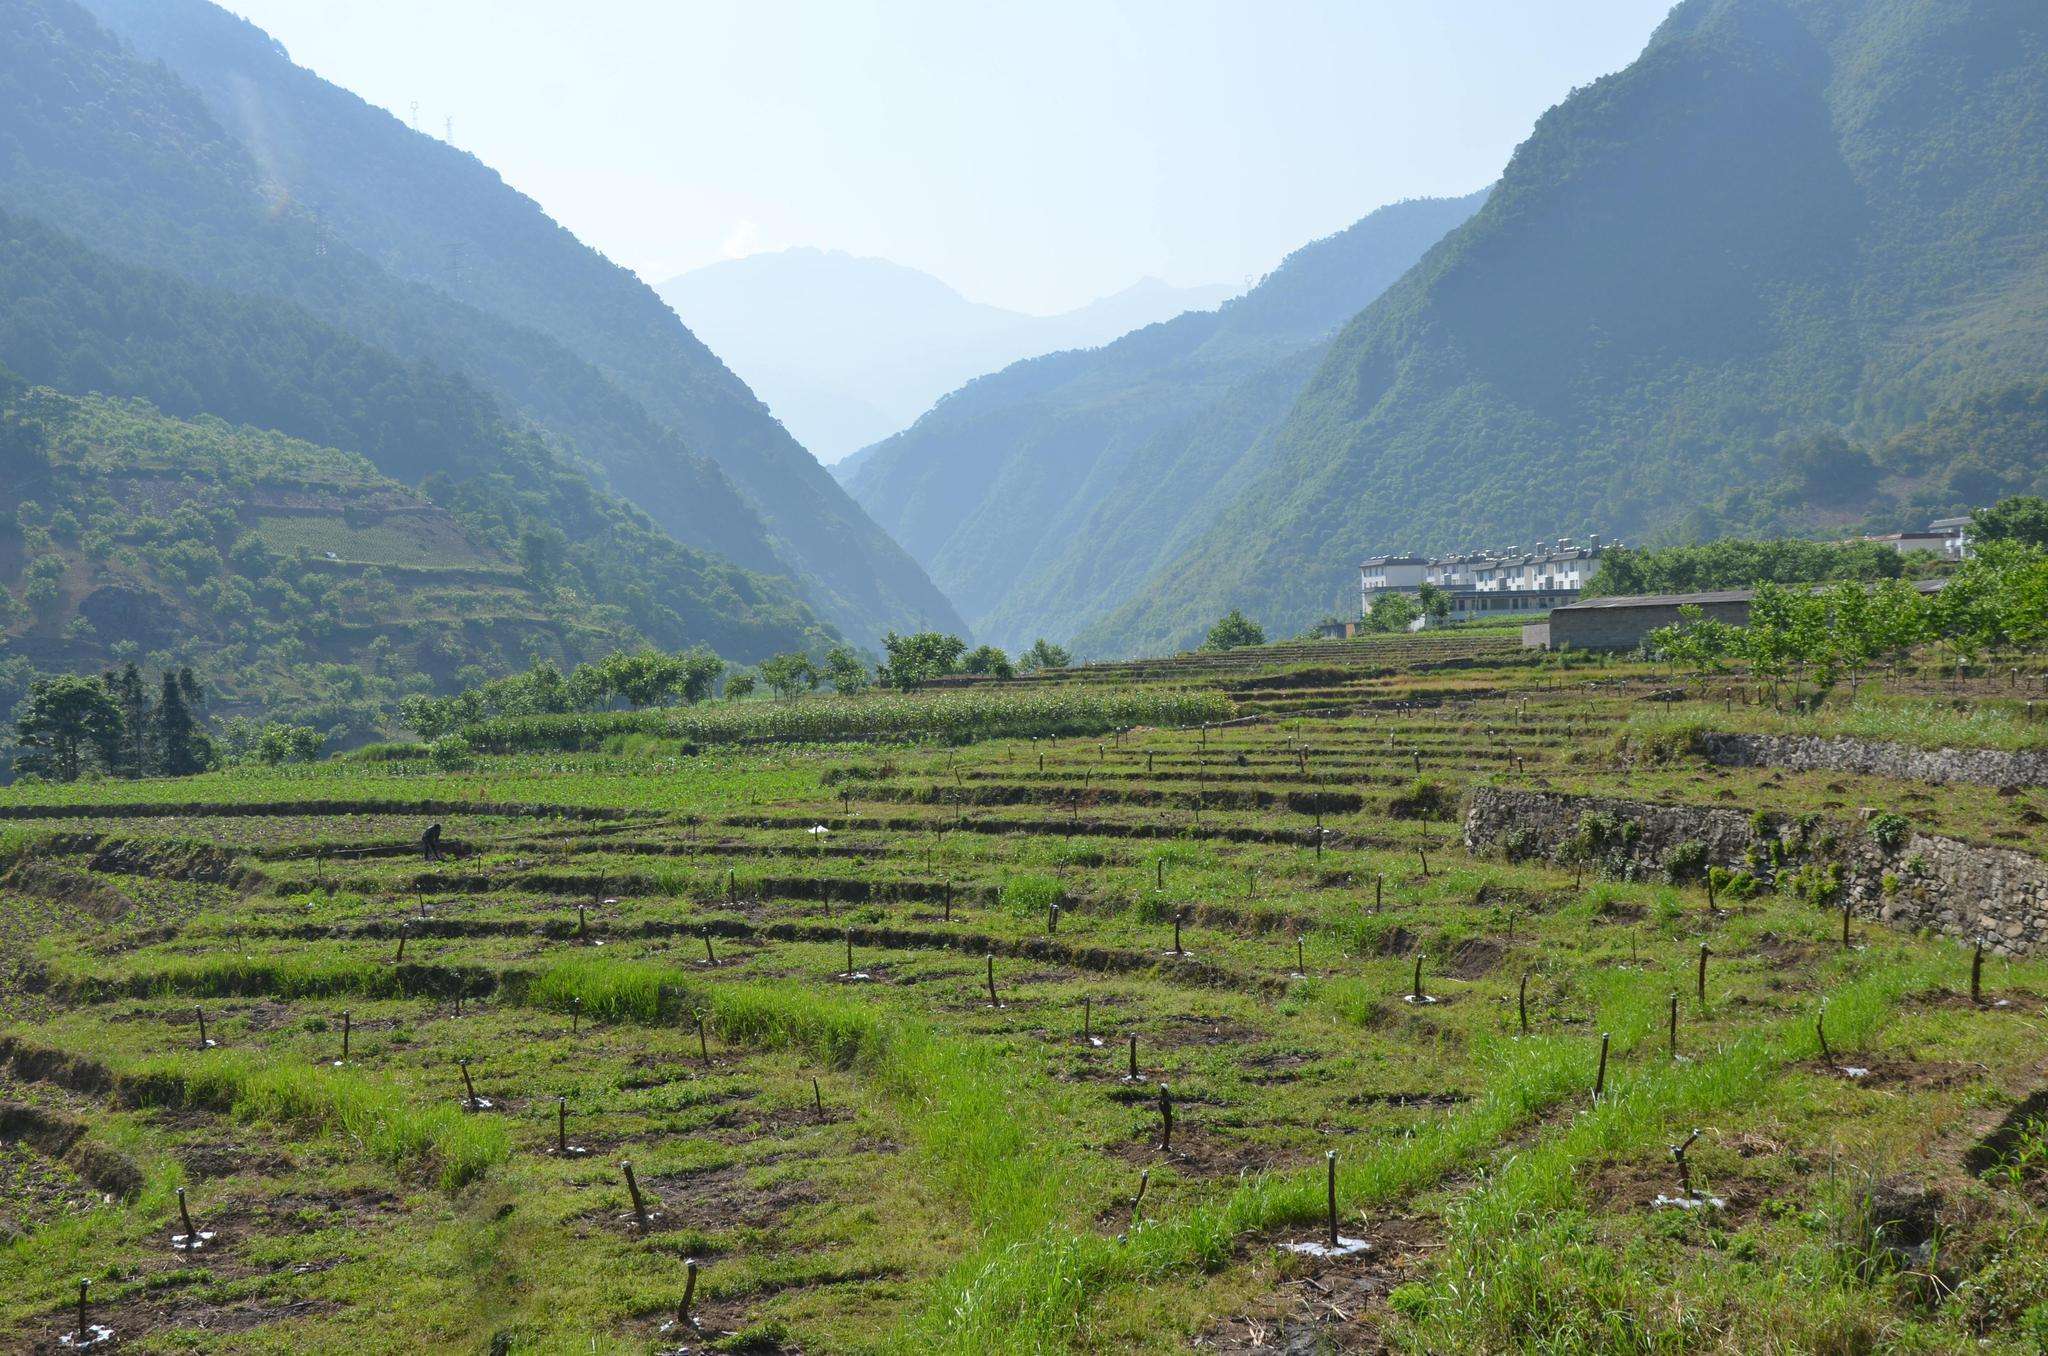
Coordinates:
<point>634,679</point>
<point>1996,601</point>
<point>920,657</point>
<point>70,725</point>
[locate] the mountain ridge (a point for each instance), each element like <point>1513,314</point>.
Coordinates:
<point>1039,494</point>
<point>1774,221</point>
<point>604,363</point>
<point>851,348</point>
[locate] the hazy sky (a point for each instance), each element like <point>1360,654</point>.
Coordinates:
<point>1033,154</point>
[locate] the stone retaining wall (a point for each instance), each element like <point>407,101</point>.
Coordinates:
<point>1813,753</point>
<point>1928,882</point>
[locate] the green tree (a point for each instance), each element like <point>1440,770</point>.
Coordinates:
<point>1043,654</point>
<point>845,672</point>
<point>1234,630</point>
<point>182,746</point>
<point>789,674</point>
<point>2022,519</point>
<point>919,658</point>
<point>990,661</point>
<point>1434,603</point>
<point>1392,612</point>
<point>542,553</point>
<point>739,685</point>
<point>134,757</point>
<point>65,725</point>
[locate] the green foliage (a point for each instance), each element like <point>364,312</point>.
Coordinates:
<point>1232,630</point>
<point>1391,612</point>
<point>1890,831</point>
<point>637,678</point>
<point>1737,563</point>
<point>989,661</point>
<point>2022,519</point>
<point>844,670</point>
<point>66,726</point>
<point>1043,654</point>
<point>789,674</point>
<point>919,658</point>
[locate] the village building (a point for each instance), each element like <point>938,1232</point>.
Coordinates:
<point>1482,583</point>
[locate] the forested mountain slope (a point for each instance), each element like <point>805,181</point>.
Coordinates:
<point>237,169</point>
<point>80,322</point>
<point>1702,289</point>
<point>1042,495</point>
<point>303,584</point>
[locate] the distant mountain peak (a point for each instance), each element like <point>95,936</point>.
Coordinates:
<point>847,348</point>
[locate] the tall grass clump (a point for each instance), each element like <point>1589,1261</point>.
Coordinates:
<point>955,716</point>
<point>440,1141</point>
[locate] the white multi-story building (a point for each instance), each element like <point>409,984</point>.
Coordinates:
<point>1482,583</point>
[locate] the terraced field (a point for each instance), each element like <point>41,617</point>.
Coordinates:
<point>1013,1046</point>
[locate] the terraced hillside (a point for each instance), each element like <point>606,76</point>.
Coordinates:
<point>1019,1044</point>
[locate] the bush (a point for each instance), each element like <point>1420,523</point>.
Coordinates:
<point>1687,861</point>
<point>451,753</point>
<point>1890,831</point>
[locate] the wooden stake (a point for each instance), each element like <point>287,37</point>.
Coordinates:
<point>1600,1078</point>
<point>346,1023</point>
<point>703,1042</point>
<point>1704,953</point>
<point>1165,1119</point>
<point>1977,973</point>
<point>633,1187</point>
<point>710,956</point>
<point>1523,1002</point>
<point>1415,992</point>
<point>1820,1029</point>
<point>1845,925</point>
<point>817,1098</point>
<point>561,1125</point>
<point>1134,1057</point>
<point>1330,1164</point>
<point>689,1293</point>
<point>992,981</point>
<point>1673,1040</point>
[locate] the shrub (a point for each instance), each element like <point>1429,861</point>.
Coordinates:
<point>1687,861</point>
<point>1890,831</point>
